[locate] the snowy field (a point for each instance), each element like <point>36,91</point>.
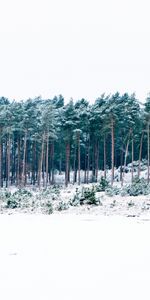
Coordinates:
<point>74,257</point>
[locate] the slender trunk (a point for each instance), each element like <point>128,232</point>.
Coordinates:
<point>41,162</point>
<point>140,154</point>
<point>50,162</point>
<point>36,162</point>
<point>125,159</point>
<point>43,166</point>
<point>148,157</point>
<point>8,161</point>
<point>121,165</point>
<point>132,170</point>
<point>126,154</point>
<point>0,157</point>
<point>78,138</point>
<point>74,164</point>
<point>24,160</point>
<point>85,162</point>
<point>104,156</point>
<point>88,161</point>
<point>93,160</point>
<point>13,173</point>
<point>67,162</point>
<point>53,162</point>
<point>112,151</point>
<point>33,162</point>
<point>47,150</point>
<point>60,164</point>
<point>5,161</point>
<point>97,160</point>
<point>18,163</point>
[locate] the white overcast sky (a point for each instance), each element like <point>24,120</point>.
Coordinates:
<point>78,48</point>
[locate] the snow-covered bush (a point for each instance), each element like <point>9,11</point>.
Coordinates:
<point>50,193</point>
<point>18,198</point>
<point>77,199</point>
<point>12,203</point>
<point>113,204</point>
<point>22,194</point>
<point>49,207</point>
<point>103,184</point>
<point>89,197</point>
<point>138,187</point>
<point>131,203</point>
<point>86,196</point>
<point>4,194</point>
<point>112,191</point>
<point>62,206</point>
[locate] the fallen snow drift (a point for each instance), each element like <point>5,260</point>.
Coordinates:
<point>72,257</point>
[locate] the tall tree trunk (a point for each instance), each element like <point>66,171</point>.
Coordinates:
<point>41,162</point>
<point>121,165</point>
<point>74,164</point>
<point>85,163</point>
<point>93,160</point>
<point>36,162</point>
<point>140,154</point>
<point>18,163</point>
<point>47,151</point>
<point>5,162</point>
<point>24,159</point>
<point>60,163</point>
<point>78,141</point>
<point>88,161</point>
<point>148,157</point>
<point>8,161</point>
<point>0,157</point>
<point>53,163</point>
<point>125,159</point>
<point>33,162</point>
<point>132,170</point>
<point>97,160</point>
<point>104,156</point>
<point>112,151</point>
<point>13,174</point>
<point>67,162</point>
<point>43,166</point>
<point>50,162</point>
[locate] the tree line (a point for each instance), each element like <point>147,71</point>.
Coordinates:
<point>39,137</point>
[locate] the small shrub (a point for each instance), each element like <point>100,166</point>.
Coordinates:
<point>89,197</point>
<point>113,204</point>
<point>131,203</point>
<point>49,193</point>
<point>103,185</point>
<point>4,194</point>
<point>112,191</point>
<point>49,207</point>
<point>62,206</point>
<point>138,187</point>
<point>77,199</point>
<point>55,189</point>
<point>22,194</point>
<point>12,203</point>
<point>86,196</point>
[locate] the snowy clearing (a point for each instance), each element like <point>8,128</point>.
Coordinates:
<point>72,257</point>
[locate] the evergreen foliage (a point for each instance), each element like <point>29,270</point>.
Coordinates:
<point>39,138</point>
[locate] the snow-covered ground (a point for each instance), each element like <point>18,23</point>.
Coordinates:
<point>74,257</point>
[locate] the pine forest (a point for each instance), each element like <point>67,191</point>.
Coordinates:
<point>40,138</point>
